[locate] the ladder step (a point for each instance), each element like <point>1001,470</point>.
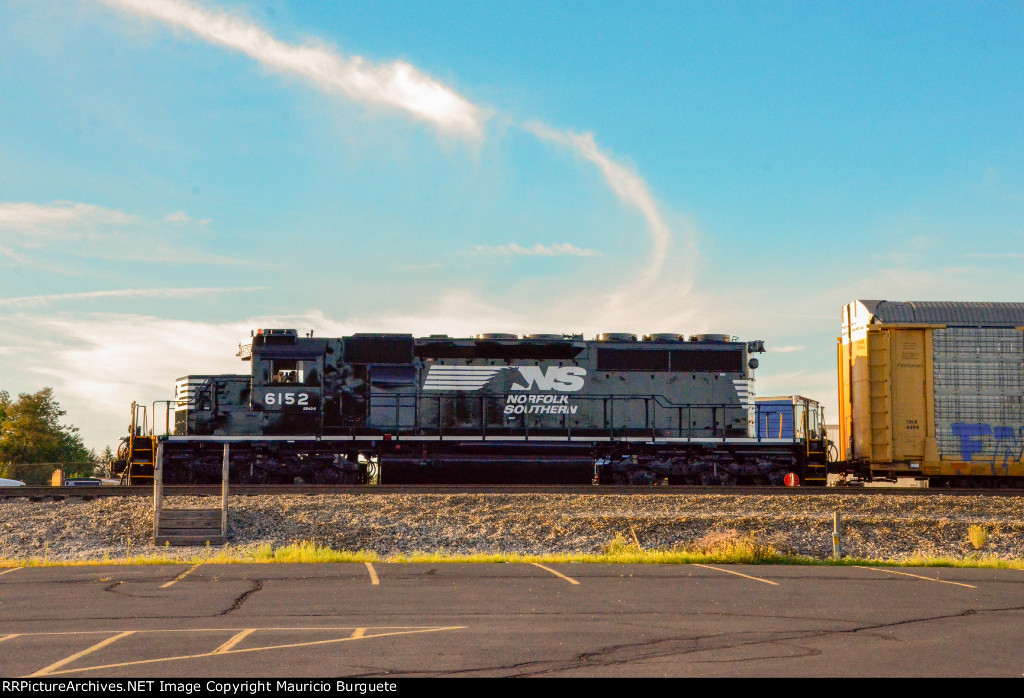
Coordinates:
<point>190,521</point>
<point>182,515</point>
<point>194,531</point>
<point>190,540</point>
<point>186,512</point>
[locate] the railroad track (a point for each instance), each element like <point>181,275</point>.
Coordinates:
<point>47,493</point>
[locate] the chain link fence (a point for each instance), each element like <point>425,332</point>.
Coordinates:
<point>42,474</point>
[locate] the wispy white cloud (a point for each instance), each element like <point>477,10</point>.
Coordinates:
<point>404,87</point>
<point>13,256</point>
<point>164,254</point>
<point>98,364</point>
<point>35,235</point>
<point>627,185</point>
<point>661,294</point>
<point>60,216</point>
<point>555,250</point>
<point>398,85</point>
<point>182,217</point>
<point>46,299</point>
<point>785,349</point>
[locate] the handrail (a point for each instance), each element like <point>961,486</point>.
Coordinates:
<point>389,406</point>
<point>167,416</point>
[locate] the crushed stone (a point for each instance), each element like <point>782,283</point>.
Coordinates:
<point>884,527</point>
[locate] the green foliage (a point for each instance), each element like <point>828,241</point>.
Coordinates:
<point>31,431</point>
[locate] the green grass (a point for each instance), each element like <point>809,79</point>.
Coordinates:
<point>726,547</point>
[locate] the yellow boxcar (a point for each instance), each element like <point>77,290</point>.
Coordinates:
<point>932,389</point>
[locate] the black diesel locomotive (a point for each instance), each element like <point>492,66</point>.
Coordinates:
<point>393,408</point>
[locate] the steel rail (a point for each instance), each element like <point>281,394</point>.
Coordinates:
<point>89,492</point>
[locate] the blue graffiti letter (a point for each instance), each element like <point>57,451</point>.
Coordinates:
<point>967,432</point>
<point>1008,445</point>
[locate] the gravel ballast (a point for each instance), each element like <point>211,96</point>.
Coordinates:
<point>883,527</point>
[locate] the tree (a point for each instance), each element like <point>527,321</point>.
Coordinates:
<point>5,403</point>
<point>106,458</point>
<point>31,431</point>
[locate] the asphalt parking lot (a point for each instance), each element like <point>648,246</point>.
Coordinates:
<point>496,620</point>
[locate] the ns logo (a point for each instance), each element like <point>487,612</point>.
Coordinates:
<point>562,378</point>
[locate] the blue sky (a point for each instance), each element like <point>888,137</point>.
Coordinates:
<point>174,173</point>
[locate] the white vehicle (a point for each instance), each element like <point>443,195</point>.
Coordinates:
<point>4,482</point>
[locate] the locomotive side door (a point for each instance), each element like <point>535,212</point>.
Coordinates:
<point>392,397</point>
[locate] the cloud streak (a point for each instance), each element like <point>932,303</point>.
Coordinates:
<point>403,87</point>
<point>398,85</point>
<point>46,299</point>
<point>627,185</point>
<point>34,235</point>
<point>556,250</point>
<point>25,217</point>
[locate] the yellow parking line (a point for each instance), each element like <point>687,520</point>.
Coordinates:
<point>373,575</point>
<point>12,569</point>
<point>180,576</point>
<point>738,574</point>
<point>917,576</point>
<point>235,639</point>
<point>176,630</point>
<point>557,574</point>
<point>261,649</point>
<point>77,655</point>
<point>9,637</point>
<point>358,633</point>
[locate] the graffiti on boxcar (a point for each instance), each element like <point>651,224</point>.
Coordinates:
<point>1007,443</point>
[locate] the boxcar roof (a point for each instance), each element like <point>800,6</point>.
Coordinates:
<point>950,313</point>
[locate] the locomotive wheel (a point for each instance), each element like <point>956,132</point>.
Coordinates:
<point>641,477</point>
<point>254,475</point>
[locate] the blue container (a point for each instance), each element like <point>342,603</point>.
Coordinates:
<point>775,419</point>
<point>789,417</point>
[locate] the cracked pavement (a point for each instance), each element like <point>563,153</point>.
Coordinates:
<point>504,620</point>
